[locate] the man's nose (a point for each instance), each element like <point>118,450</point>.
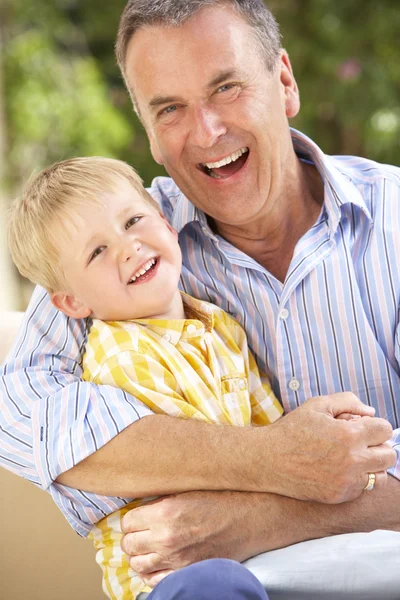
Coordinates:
<point>206,127</point>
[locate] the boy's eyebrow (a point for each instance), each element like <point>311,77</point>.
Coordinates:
<point>220,78</point>
<point>128,210</point>
<point>91,242</point>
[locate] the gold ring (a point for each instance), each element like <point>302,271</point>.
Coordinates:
<point>371,482</point>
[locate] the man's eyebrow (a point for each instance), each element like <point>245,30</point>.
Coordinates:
<point>220,78</point>
<point>160,100</point>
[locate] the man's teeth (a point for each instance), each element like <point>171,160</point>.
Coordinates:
<point>143,270</point>
<point>226,160</point>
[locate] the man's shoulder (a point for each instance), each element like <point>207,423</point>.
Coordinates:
<point>363,171</point>
<point>165,191</point>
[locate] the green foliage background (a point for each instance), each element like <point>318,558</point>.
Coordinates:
<point>63,94</point>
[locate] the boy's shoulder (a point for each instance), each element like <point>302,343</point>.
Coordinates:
<point>106,340</point>
<point>220,319</point>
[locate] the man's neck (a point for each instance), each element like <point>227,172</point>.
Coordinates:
<point>272,238</point>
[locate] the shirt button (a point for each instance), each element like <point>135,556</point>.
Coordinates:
<point>242,384</point>
<point>284,314</point>
<point>191,328</point>
<point>294,385</point>
<point>167,337</point>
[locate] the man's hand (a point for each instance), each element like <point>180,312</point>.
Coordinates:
<point>322,454</point>
<point>172,532</point>
<point>175,531</point>
<point>310,454</point>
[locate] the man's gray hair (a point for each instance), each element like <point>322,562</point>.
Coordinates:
<point>172,13</point>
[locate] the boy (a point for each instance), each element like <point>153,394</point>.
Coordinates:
<point>88,231</point>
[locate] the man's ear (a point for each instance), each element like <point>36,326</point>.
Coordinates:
<point>292,97</point>
<point>70,305</point>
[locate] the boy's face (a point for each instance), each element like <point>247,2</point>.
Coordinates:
<point>121,260</point>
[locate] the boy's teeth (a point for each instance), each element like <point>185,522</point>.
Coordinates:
<point>143,270</point>
<point>226,160</point>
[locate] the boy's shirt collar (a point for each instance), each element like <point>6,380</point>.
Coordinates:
<point>199,319</point>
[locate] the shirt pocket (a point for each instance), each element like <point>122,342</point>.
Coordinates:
<point>235,399</point>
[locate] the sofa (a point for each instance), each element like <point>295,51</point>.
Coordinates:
<point>42,558</point>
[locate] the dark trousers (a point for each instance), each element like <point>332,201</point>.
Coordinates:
<point>217,578</point>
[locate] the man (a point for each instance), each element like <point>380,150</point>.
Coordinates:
<point>289,246</point>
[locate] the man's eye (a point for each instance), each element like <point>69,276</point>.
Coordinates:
<point>169,109</point>
<point>132,221</point>
<point>226,87</point>
<point>98,251</point>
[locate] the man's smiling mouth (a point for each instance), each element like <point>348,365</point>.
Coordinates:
<point>227,166</point>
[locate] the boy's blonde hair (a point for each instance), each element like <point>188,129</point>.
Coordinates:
<point>48,199</point>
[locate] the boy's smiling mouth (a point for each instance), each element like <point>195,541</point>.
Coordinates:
<point>144,271</point>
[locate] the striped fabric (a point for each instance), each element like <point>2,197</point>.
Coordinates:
<point>333,325</point>
<point>199,367</point>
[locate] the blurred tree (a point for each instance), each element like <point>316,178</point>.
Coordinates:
<point>57,100</point>
<point>9,286</point>
<point>345,57</point>
<point>64,94</point>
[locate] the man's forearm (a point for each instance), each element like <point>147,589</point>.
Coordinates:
<point>160,455</point>
<point>307,454</point>
<point>279,521</point>
<point>239,525</point>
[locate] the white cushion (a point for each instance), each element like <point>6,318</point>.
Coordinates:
<point>9,325</point>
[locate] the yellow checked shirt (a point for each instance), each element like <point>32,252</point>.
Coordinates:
<point>199,367</point>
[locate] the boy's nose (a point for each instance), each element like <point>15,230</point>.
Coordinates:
<point>128,248</point>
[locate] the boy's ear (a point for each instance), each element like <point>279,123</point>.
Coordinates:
<point>168,224</point>
<point>70,305</point>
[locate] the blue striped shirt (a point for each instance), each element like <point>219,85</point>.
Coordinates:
<point>332,326</point>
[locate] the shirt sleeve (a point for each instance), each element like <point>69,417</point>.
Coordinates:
<point>50,419</point>
<point>395,440</point>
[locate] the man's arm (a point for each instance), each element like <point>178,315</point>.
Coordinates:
<point>50,419</point>
<point>179,530</point>
<point>308,455</point>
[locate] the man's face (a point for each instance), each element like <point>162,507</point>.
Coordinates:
<point>215,116</point>
<point>121,260</point>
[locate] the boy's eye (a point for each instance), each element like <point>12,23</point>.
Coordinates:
<point>132,221</point>
<point>98,251</point>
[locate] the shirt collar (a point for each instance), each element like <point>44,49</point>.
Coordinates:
<point>339,190</point>
<point>199,319</point>
<point>185,212</point>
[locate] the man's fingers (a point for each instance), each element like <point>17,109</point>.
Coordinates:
<point>380,481</point>
<point>154,578</point>
<point>345,402</point>
<point>139,542</point>
<point>380,458</point>
<point>374,431</point>
<point>139,518</point>
<point>146,564</point>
